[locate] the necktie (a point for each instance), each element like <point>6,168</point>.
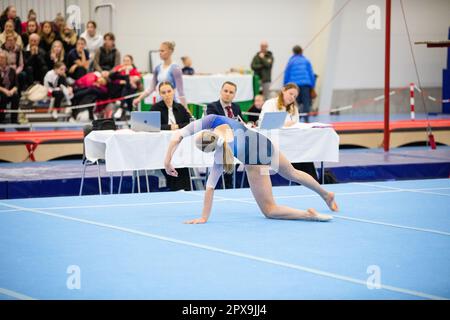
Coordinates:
<point>229,112</point>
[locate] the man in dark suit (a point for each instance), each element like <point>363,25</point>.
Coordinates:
<point>225,107</point>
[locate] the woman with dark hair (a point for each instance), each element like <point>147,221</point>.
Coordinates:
<point>32,27</point>
<point>48,36</point>
<point>94,40</point>
<point>173,117</point>
<point>78,60</point>
<point>32,16</point>
<point>107,56</point>
<point>228,138</point>
<point>10,13</point>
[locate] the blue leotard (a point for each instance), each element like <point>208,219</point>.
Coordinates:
<point>249,147</point>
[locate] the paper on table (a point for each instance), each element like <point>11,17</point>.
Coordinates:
<point>302,125</point>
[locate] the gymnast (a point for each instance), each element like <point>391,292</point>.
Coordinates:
<point>228,138</point>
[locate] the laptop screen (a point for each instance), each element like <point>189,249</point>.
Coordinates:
<point>148,121</point>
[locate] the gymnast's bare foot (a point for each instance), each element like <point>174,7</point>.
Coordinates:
<point>313,215</point>
<point>329,199</point>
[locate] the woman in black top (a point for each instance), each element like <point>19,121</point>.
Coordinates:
<point>173,116</point>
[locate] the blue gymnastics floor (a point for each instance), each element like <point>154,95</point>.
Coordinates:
<point>135,246</point>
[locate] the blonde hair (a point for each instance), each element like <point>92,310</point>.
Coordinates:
<point>62,53</point>
<point>291,108</point>
<point>207,142</point>
<point>170,45</point>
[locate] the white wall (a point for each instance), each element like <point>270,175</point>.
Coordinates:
<point>217,35</point>
<point>360,51</point>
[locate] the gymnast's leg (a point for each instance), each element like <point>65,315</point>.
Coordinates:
<point>287,171</point>
<point>261,188</point>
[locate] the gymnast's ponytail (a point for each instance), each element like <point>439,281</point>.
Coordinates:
<point>228,158</point>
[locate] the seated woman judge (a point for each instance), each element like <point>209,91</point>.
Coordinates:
<point>286,101</point>
<point>173,117</point>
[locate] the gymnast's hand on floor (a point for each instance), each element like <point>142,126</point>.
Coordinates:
<point>170,170</point>
<point>196,221</point>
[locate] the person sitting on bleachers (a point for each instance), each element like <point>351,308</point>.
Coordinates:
<point>32,27</point>
<point>35,66</point>
<point>55,81</point>
<point>68,37</point>
<point>10,13</point>
<point>56,54</point>
<point>58,23</point>
<point>125,80</point>
<point>8,88</point>
<point>78,60</point>
<point>107,56</point>
<point>9,30</point>
<point>94,40</point>
<point>48,36</point>
<point>89,88</point>
<point>32,16</point>
<point>14,53</point>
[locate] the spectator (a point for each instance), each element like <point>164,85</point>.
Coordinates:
<point>68,37</point>
<point>125,80</point>
<point>94,40</point>
<point>32,27</point>
<point>32,16</point>
<point>10,13</point>
<point>299,71</point>
<point>167,71</point>
<point>262,66</point>
<point>173,117</point>
<point>107,56</point>
<point>55,81</point>
<point>255,108</point>
<point>225,107</point>
<point>35,67</point>
<point>58,23</point>
<point>56,54</point>
<point>285,101</point>
<point>9,30</point>
<point>187,66</point>
<point>14,53</point>
<point>78,60</point>
<point>48,36</point>
<point>89,88</point>
<point>8,88</point>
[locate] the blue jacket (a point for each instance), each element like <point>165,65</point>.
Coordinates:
<point>299,71</point>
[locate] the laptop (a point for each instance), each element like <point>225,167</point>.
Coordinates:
<point>273,120</point>
<point>148,121</point>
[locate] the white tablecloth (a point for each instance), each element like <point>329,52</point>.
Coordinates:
<point>126,150</point>
<point>206,88</point>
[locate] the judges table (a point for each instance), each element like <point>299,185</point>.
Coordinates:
<point>126,150</point>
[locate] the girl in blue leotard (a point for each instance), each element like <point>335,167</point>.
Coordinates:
<point>228,138</point>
